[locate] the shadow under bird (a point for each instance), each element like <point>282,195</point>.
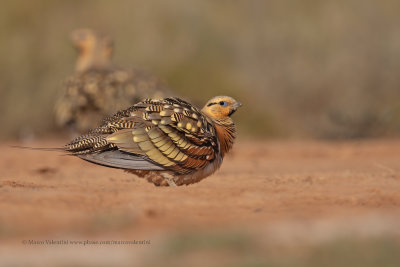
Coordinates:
<point>168,141</point>
<point>98,87</point>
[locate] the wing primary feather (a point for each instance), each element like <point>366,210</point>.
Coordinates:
<point>121,160</point>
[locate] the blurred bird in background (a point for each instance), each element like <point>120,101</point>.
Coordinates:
<point>98,87</point>
<point>169,142</point>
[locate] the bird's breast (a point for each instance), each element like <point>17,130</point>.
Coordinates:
<point>199,175</point>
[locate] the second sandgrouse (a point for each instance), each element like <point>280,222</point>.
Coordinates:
<point>98,88</point>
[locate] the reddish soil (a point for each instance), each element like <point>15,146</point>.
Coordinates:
<point>260,183</point>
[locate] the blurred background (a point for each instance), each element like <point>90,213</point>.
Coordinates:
<point>303,70</point>
<point>309,69</point>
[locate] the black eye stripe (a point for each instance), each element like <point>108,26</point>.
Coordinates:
<point>209,105</point>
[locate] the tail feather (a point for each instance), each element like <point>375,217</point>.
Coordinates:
<point>59,149</point>
<point>87,144</point>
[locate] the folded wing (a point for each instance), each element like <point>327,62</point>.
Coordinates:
<point>168,134</point>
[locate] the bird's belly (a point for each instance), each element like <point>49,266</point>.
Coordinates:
<point>197,176</point>
<point>158,177</point>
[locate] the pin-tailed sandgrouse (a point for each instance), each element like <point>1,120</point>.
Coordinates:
<point>98,88</point>
<point>167,141</point>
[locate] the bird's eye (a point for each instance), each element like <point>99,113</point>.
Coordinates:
<point>223,103</point>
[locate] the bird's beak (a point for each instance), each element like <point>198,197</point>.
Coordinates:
<point>237,105</point>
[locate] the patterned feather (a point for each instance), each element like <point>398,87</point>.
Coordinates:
<point>167,141</point>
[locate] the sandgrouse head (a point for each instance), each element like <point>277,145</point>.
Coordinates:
<point>221,107</point>
<point>95,49</point>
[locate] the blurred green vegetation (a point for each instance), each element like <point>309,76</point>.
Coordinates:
<point>324,69</point>
<point>237,249</point>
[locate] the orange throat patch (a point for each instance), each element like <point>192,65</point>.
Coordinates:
<point>226,136</point>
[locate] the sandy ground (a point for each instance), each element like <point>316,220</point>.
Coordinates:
<point>300,185</point>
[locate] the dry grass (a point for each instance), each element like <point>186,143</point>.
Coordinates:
<point>310,68</point>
